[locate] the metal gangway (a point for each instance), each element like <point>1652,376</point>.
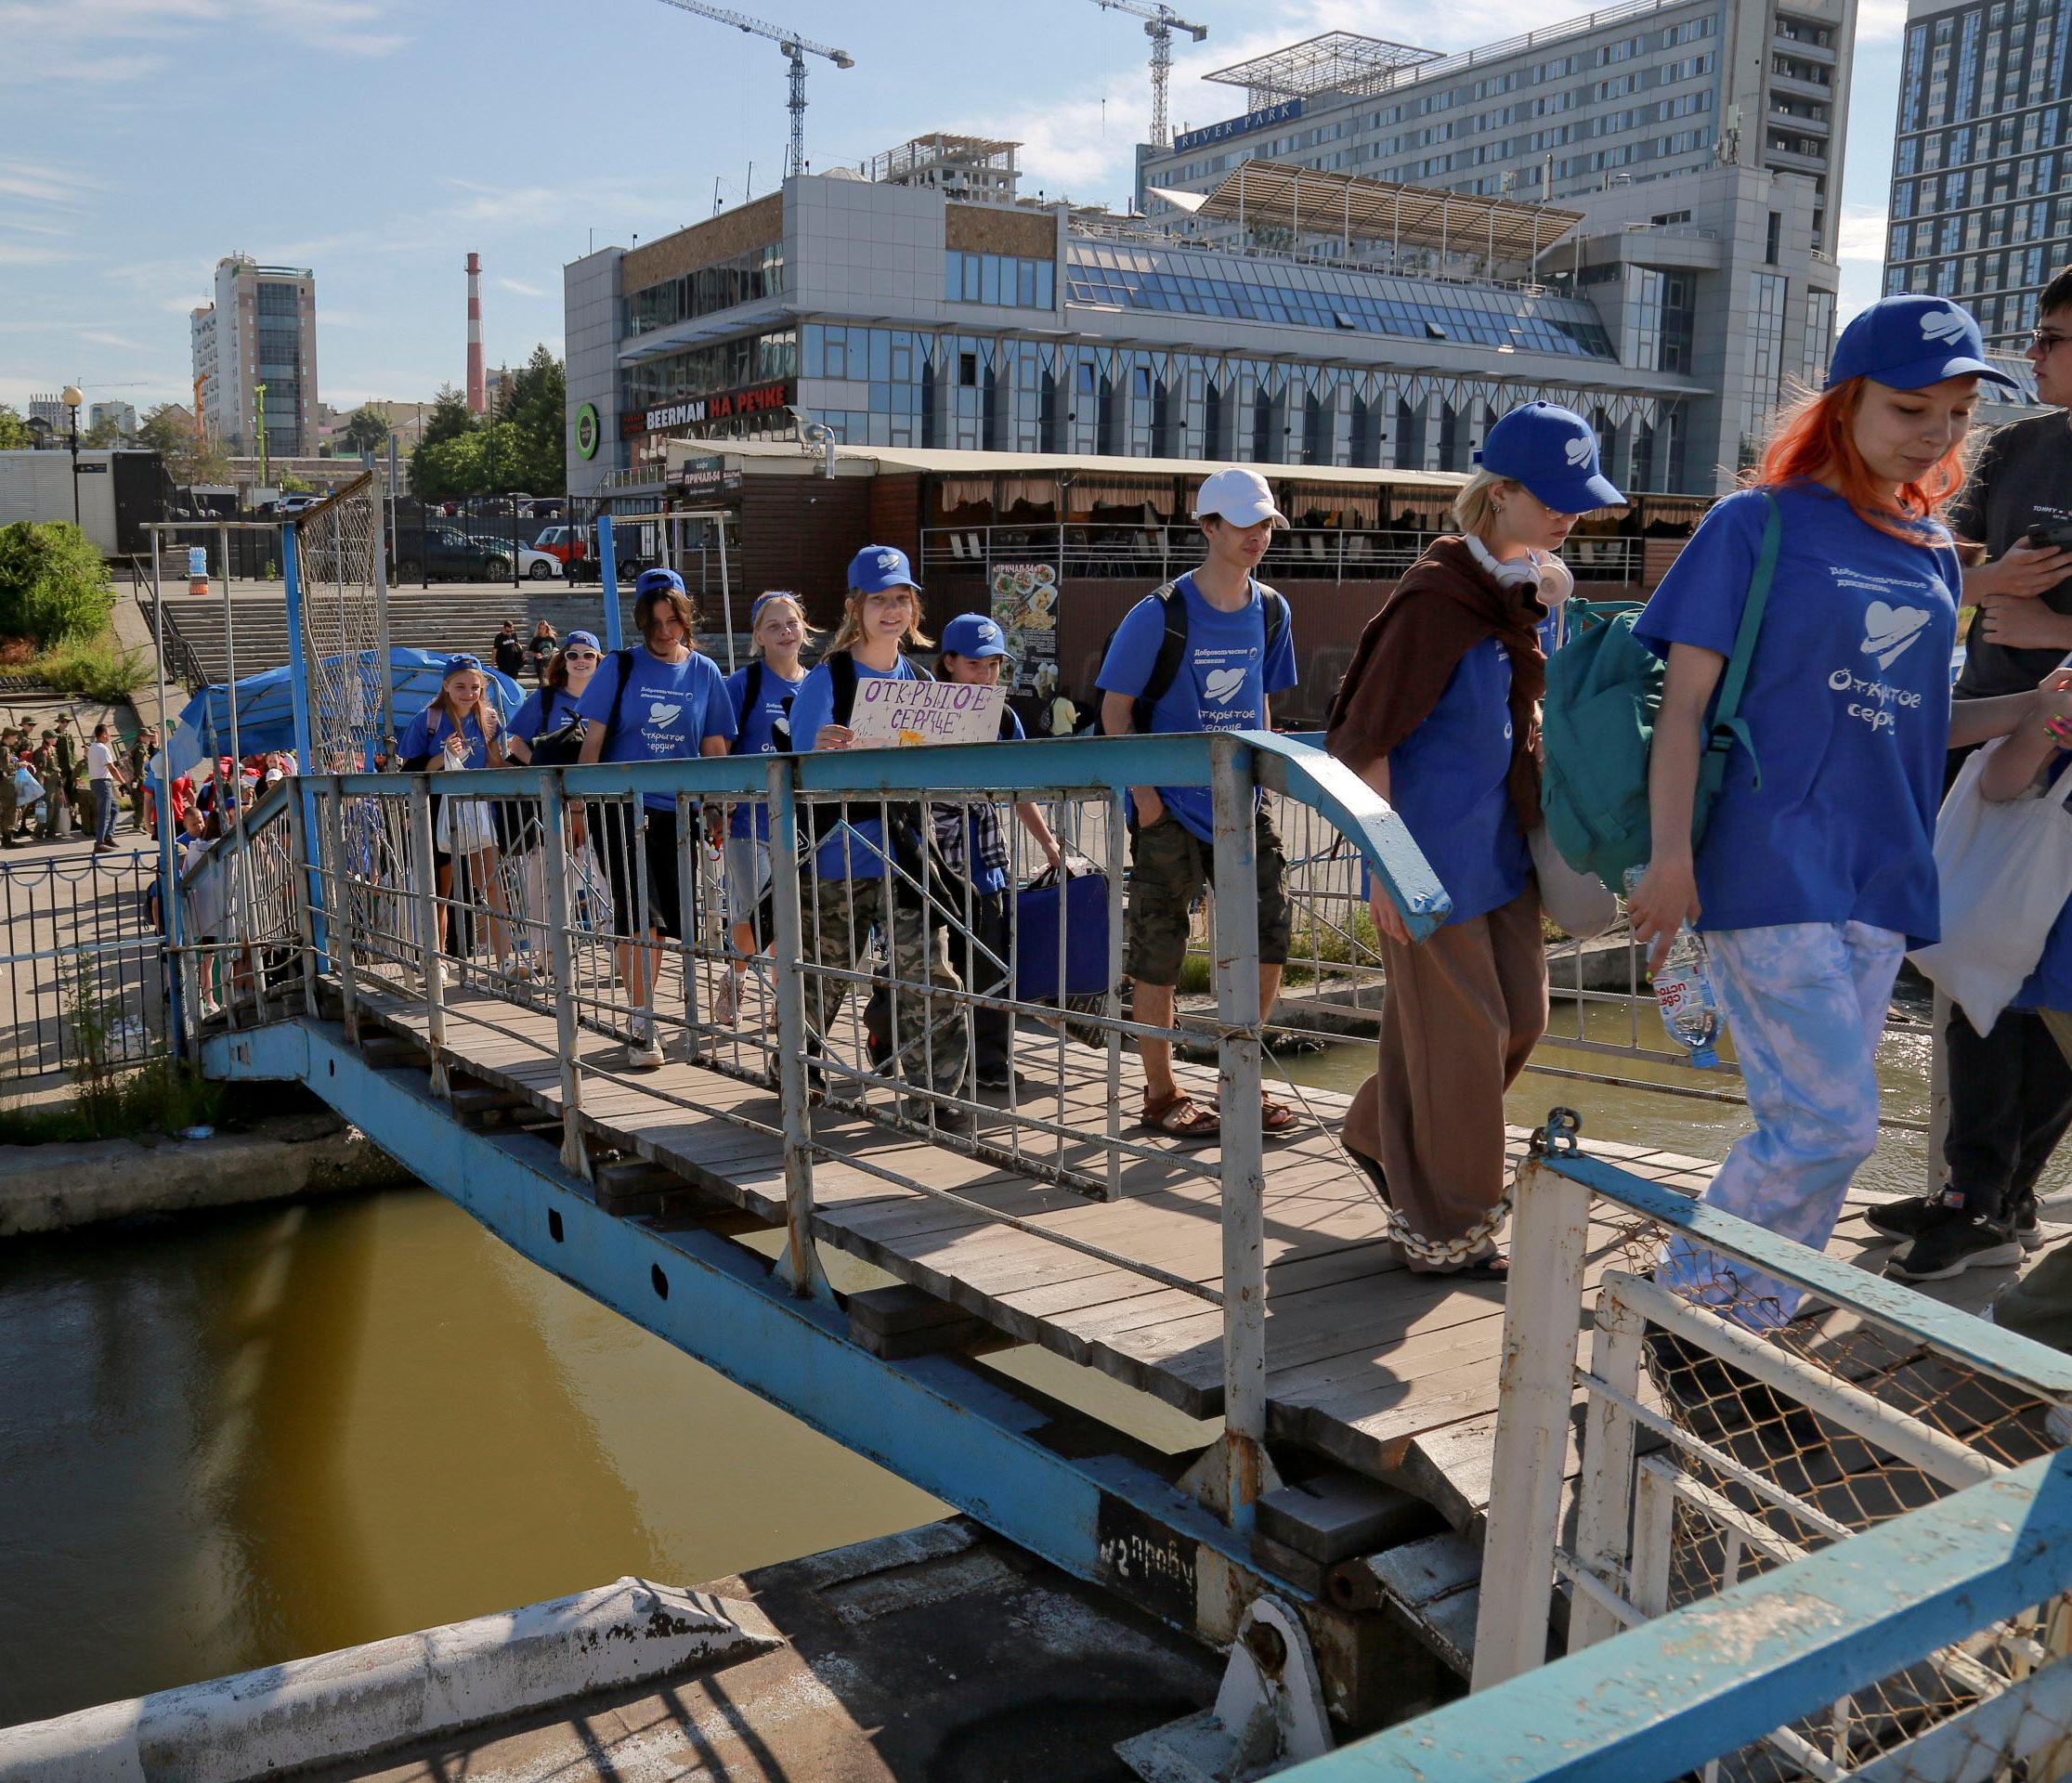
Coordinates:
<point>1832,1551</point>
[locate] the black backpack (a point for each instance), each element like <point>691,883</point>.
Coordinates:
<point>780,728</point>
<point>1172,646</point>
<point>562,746</point>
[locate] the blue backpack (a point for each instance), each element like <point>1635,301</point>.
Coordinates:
<point>1597,726</point>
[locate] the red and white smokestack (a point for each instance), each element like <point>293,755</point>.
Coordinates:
<point>478,399</point>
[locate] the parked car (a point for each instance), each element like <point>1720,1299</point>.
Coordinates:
<point>538,566</point>
<point>443,553</point>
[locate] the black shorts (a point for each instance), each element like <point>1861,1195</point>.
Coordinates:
<point>618,845</point>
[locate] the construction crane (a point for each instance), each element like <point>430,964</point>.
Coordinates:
<point>796,49</point>
<point>1160,22</point>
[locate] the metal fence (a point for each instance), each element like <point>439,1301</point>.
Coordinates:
<point>468,900</point>
<point>1296,553</point>
<point>85,970</point>
<point>1721,1443</point>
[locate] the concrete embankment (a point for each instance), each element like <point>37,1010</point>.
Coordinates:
<point>55,1188</point>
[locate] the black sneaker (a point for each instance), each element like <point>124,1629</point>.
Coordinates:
<point>1905,1220</point>
<point>1953,1244</point>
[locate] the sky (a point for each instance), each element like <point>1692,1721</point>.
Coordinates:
<point>379,141</point>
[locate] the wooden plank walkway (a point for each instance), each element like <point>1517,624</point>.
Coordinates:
<point>1390,1373</point>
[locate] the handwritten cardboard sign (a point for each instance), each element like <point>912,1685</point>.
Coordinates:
<point>910,714</point>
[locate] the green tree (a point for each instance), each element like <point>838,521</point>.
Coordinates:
<point>14,429</point>
<point>484,461</point>
<point>450,417</point>
<point>53,583</point>
<point>366,429</point>
<point>103,433</point>
<point>535,403</point>
<point>168,430</point>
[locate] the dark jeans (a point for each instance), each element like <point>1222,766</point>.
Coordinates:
<point>2010,1103</point>
<point>991,938</point>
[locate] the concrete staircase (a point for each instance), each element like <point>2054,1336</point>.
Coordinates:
<point>445,619</point>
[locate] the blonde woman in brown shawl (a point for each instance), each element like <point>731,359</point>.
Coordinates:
<point>1439,715</point>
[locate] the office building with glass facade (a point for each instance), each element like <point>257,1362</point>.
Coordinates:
<point>904,317</point>
<point>260,330</point>
<point>1981,203</point>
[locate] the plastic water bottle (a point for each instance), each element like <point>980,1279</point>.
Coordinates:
<point>1684,991</point>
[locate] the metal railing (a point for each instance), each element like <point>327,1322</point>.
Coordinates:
<point>84,977</point>
<point>1296,553</point>
<point>464,900</point>
<point>1720,1444</point>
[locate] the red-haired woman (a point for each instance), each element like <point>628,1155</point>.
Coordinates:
<point>1816,872</point>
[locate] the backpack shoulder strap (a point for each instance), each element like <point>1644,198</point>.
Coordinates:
<point>1276,617</point>
<point>1728,728</point>
<point>751,686</point>
<point>625,661</point>
<point>842,671</point>
<point>1172,652</point>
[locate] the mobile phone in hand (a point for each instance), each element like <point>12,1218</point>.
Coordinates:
<point>2057,536</point>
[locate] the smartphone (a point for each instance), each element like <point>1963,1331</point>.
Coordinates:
<point>2055,537</point>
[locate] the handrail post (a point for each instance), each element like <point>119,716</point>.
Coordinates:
<point>1535,1382</point>
<point>346,917</point>
<point>1234,802</point>
<point>1606,1502</point>
<point>298,890</point>
<point>555,859</point>
<point>798,1264</point>
<point>430,967</point>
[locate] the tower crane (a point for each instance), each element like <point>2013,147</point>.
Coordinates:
<point>796,49</point>
<point>1160,22</point>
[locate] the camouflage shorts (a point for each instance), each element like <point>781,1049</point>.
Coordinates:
<point>1169,868</point>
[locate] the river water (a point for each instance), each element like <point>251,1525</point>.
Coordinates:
<point>233,1439</point>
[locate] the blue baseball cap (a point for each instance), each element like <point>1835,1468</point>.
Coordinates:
<point>1553,452</point>
<point>459,665</point>
<point>877,567</point>
<point>1908,343</point>
<point>653,581</point>
<point>972,634</point>
<point>574,638</point>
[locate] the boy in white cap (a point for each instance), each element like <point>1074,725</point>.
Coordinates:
<point>1205,653</point>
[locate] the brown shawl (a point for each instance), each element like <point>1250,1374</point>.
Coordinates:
<point>1445,604</point>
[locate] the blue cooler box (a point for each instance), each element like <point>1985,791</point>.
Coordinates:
<point>1086,937</point>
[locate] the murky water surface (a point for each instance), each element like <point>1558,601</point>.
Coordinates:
<point>229,1441</point>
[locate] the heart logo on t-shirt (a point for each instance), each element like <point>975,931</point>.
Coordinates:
<point>1220,686</point>
<point>1887,630</point>
<point>661,713</point>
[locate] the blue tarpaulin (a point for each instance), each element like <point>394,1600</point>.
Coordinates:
<point>267,713</point>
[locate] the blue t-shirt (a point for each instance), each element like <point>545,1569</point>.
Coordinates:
<point>427,734</point>
<point>753,735</point>
<point>1450,781</point>
<point>669,709</point>
<point>543,709</point>
<point>854,850</point>
<point>1848,704</point>
<point>1222,685</point>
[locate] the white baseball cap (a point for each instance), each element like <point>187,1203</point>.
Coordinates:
<point>1239,495</point>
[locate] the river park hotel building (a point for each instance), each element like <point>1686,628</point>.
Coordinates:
<point>1348,279</point>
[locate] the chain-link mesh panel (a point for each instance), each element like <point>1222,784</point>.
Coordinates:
<point>341,562</point>
<point>1758,1475</point>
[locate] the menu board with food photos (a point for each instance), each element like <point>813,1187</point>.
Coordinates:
<point>1025,608</point>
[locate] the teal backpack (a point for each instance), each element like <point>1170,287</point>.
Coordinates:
<point>1603,687</point>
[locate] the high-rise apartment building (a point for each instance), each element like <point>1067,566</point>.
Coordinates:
<point>121,415</point>
<point>260,330</point>
<point>1982,173</point>
<point>1701,139</point>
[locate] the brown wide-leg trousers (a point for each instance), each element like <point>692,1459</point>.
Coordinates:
<point>1462,1013</point>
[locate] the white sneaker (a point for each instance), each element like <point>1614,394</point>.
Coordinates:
<point>643,1052</point>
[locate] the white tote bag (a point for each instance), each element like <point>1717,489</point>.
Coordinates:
<point>2006,872</point>
<point>1577,904</point>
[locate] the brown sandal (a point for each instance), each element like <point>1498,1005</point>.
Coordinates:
<point>1277,1120</point>
<point>1180,1116</point>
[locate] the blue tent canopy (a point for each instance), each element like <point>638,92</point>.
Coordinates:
<point>267,713</point>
